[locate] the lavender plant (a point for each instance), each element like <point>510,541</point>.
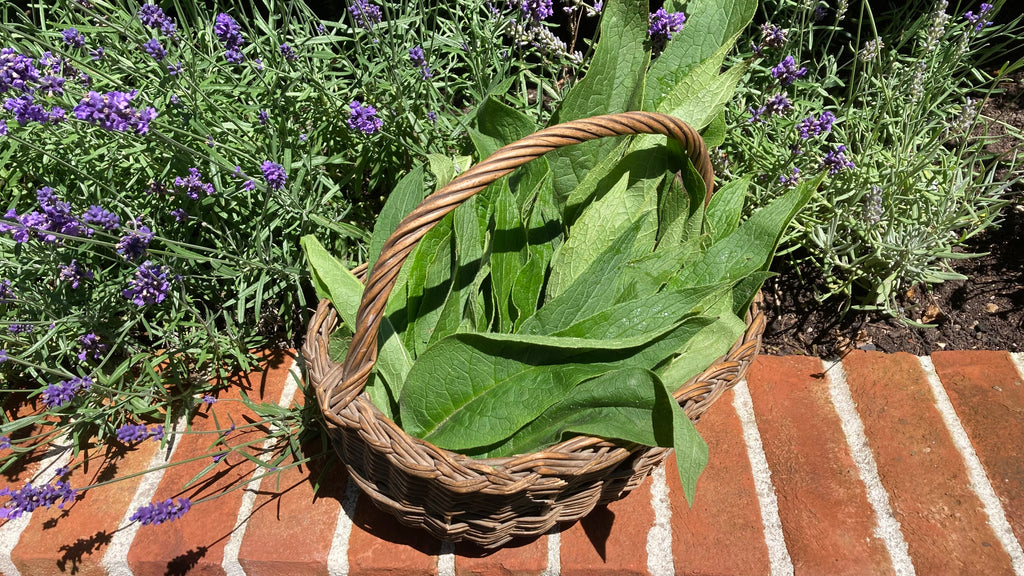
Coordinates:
<point>889,108</point>
<point>159,164</point>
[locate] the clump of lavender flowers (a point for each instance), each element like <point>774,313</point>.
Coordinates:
<point>193,184</point>
<point>63,392</point>
<point>90,345</point>
<point>230,34</point>
<point>662,25</point>
<point>74,38</point>
<point>29,497</point>
<point>133,245</point>
<point>98,216</point>
<point>536,10</point>
<point>132,433</point>
<point>365,13</point>
<point>418,58</point>
<point>786,71</point>
<point>836,160</point>
<point>816,125</point>
<point>363,118</point>
<point>154,48</point>
<point>289,53</point>
<point>777,105</point>
<point>160,512</point>
<point>113,111</point>
<point>149,285</point>
<point>979,20</point>
<point>772,36</point>
<point>153,16</point>
<point>274,174</point>
<point>74,274</point>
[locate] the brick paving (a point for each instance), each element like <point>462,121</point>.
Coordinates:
<point>883,464</point>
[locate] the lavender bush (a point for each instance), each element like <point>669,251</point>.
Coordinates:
<point>158,165</point>
<point>890,109</point>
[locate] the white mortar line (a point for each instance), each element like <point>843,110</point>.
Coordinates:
<point>58,455</point>
<point>1018,360</point>
<point>975,471</point>
<point>337,558</point>
<point>554,567</point>
<point>230,562</point>
<point>659,538</point>
<point>779,560</point>
<point>115,560</point>
<point>446,560</point>
<point>887,527</point>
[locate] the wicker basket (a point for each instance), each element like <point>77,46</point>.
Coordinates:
<point>491,501</point>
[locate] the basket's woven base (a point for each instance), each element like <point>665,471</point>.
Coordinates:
<point>491,520</point>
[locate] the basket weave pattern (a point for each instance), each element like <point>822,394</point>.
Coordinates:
<point>491,501</point>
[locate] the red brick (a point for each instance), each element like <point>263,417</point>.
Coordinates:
<point>827,521</point>
<point>722,533</point>
<point>75,540</point>
<point>611,540</point>
<point>380,546</point>
<point>196,541</point>
<point>942,519</point>
<point>526,558</point>
<point>28,464</point>
<point>291,527</point>
<point>988,394</point>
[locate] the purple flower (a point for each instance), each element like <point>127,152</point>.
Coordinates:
<point>90,344</point>
<point>364,118</point>
<point>274,174</point>
<point>52,85</point>
<point>249,185</point>
<point>160,512</point>
<point>75,274</point>
<point>432,116</point>
<point>98,53</point>
<point>664,24</point>
<point>28,498</point>
<point>112,111</point>
<point>208,399</point>
<point>194,184</point>
<point>149,286</point>
<point>73,38</point>
<point>174,69</point>
<point>419,59</point>
<point>20,328</point>
<point>25,110</point>
<point>777,105</point>
<point>3,128</point>
<point>179,215</point>
<point>792,179</point>
<point>836,160</point>
<point>132,433</point>
<point>16,70</point>
<point>5,441</point>
<point>61,393</point>
<point>155,49</point>
<point>97,216</point>
<point>6,293</point>
<point>133,244</point>
<point>230,34</point>
<point>536,10</point>
<point>979,20</point>
<point>365,13</point>
<point>813,126</point>
<point>262,117</point>
<point>153,16</point>
<point>786,71</point>
<point>289,53</point>
<point>772,36</point>
<point>303,137</point>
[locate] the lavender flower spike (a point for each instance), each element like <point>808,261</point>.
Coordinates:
<point>786,71</point>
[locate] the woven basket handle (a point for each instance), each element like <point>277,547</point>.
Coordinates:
<point>363,348</point>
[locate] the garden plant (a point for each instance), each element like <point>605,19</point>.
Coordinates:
<point>162,167</point>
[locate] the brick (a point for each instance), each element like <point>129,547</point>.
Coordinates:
<point>827,521</point>
<point>195,543</point>
<point>291,527</point>
<point>380,546</point>
<point>942,519</point>
<point>988,395</point>
<point>722,533</point>
<point>75,540</point>
<point>28,464</point>
<point>517,558</point>
<point>611,540</point>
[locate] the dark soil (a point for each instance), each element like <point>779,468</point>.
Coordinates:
<point>984,312</point>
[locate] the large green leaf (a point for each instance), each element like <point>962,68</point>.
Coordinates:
<point>708,345</point>
<point>345,292</point>
<point>629,404</point>
<point>473,390</point>
<point>406,196</point>
<point>726,207</point>
<point>710,26</point>
<point>469,252</point>
<point>613,83</point>
<point>508,255</point>
<point>435,244</point>
<point>752,245</point>
<point>703,93</point>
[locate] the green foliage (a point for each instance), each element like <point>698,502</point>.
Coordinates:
<point>906,89</point>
